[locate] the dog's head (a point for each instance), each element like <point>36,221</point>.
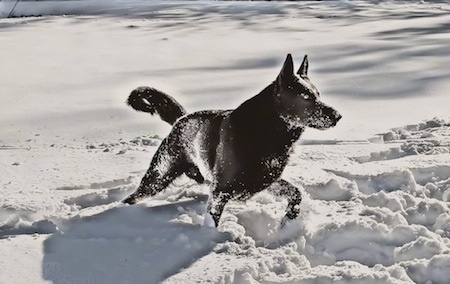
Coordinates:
<point>297,100</point>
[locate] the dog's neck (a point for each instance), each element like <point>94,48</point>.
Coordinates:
<point>259,116</point>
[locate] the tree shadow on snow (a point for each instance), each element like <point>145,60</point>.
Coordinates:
<point>128,244</point>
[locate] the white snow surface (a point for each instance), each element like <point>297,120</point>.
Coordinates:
<point>376,188</point>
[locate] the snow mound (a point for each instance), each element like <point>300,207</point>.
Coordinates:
<point>427,138</point>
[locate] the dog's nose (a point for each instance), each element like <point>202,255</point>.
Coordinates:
<point>337,115</point>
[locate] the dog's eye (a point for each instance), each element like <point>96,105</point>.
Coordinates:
<point>305,96</point>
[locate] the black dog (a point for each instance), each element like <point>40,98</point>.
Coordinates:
<point>240,151</point>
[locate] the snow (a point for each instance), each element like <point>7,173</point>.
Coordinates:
<point>376,188</point>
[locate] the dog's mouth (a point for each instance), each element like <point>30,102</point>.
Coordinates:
<point>324,122</point>
<point>317,120</point>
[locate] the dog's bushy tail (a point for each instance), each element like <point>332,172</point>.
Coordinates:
<point>150,100</point>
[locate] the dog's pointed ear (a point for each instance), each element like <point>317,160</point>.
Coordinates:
<point>303,70</point>
<point>288,69</point>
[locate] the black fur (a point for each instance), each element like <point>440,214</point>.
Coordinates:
<point>241,151</point>
<point>153,101</point>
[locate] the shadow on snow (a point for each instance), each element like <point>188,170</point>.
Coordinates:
<point>128,244</point>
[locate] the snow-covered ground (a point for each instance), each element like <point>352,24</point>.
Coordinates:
<point>375,207</point>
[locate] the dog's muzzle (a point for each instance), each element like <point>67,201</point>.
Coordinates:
<point>337,117</point>
<point>327,117</point>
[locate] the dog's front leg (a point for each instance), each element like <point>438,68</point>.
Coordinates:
<point>294,196</point>
<point>216,204</point>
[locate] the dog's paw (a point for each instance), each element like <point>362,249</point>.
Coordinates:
<point>209,221</point>
<point>286,221</point>
<point>130,200</point>
<point>289,229</point>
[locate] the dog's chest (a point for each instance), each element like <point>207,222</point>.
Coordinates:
<point>274,162</point>
<point>274,165</point>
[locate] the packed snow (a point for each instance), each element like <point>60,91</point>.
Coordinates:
<point>376,188</point>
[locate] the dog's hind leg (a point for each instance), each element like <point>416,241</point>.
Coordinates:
<point>193,172</point>
<point>166,166</point>
<point>294,196</point>
<point>216,204</point>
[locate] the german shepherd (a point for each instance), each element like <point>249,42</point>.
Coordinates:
<point>239,152</point>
